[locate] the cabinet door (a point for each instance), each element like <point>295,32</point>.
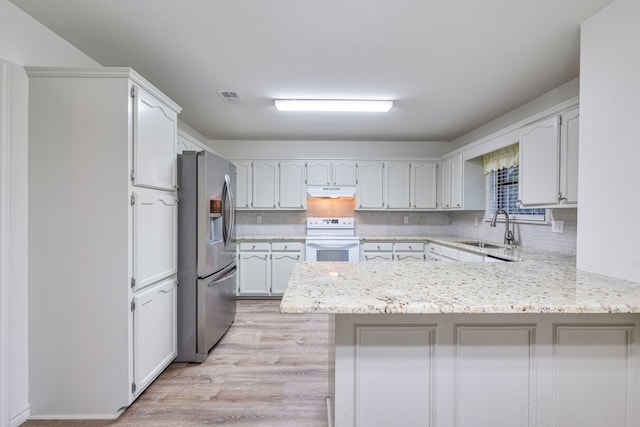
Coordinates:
<point>264,184</point>
<point>397,185</point>
<point>154,332</point>
<point>254,273</point>
<point>154,236</point>
<point>243,185</point>
<point>282,264</point>
<point>569,156</point>
<point>154,142</point>
<point>292,189</point>
<point>445,183</point>
<point>423,185</point>
<point>457,177</point>
<point>319,172</point>
<point>409,257</point>
<point>370,185</point>
<point>344,173</point>
<point>539,163</point>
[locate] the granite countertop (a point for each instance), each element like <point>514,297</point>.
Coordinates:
<point>548,284</point>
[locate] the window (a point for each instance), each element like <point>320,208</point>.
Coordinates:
<point>503,194</point>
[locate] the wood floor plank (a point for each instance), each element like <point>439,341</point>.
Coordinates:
<point>269,370</point>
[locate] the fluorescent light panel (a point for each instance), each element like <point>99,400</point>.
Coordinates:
<point>333,105</point>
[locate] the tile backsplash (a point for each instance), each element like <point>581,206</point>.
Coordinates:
<point>460,223</point>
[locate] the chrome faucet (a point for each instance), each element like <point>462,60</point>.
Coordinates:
<point>508,234</point>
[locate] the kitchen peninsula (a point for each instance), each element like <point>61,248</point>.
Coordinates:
<point>525,343</point>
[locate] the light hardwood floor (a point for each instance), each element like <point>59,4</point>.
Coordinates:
<point>270,369</point>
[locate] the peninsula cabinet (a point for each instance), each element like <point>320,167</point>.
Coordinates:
<point>549,161</point>
<point>102,239</point>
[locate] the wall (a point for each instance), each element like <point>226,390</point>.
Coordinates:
<point>608,231</point>
<point>329,149</point>
<point>23,41</point>
<point>384,223</point>
<point>548,100</point>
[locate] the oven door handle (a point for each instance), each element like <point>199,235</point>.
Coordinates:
<point>332,245</point>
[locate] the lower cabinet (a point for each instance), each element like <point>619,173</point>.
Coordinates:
<point>154,332</point>
<point>393,251</point>
<point>264,268</point>
<point>443,253</point>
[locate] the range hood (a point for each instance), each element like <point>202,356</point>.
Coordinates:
<point>332,192</point>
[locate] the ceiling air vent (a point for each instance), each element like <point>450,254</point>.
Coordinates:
<point>230,97</point>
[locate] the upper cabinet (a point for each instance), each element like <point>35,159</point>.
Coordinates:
<point>461,183</point>
<point>270,184</point>
<point>369,193</point>
<point>154,141</point>
<point>326,172</point>
<point>549,161</point>
<point>397,185</point>
<point>423,185</point>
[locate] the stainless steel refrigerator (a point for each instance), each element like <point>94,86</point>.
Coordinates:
<point>206,252</point>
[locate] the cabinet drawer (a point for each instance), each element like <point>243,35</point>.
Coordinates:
<point>434,248</point>
<point>409,247</point>
<point>449,252</point>
<point>287,246</point>
<point>255,246</point>
<point>377,247</point>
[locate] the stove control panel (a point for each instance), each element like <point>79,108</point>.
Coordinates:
<point>330,223</point>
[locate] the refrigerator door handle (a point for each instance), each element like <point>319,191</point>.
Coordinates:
<point>229,220</point>
<point>227,276</point>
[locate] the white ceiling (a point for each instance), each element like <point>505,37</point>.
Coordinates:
<point>451,65</point>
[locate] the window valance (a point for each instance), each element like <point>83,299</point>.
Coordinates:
<point>503,158</point>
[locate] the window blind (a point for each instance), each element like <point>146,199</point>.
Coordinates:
<point>503,194</point>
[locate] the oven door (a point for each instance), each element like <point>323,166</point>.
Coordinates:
<point>333,250</point>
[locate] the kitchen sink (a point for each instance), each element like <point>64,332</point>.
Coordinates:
<point>481,244</point>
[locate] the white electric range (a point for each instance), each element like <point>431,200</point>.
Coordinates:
<point>332,239</point>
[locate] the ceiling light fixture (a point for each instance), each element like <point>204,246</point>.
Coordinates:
<point>333,105</point>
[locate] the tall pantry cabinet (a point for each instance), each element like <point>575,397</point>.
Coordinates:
<point>102,239</point>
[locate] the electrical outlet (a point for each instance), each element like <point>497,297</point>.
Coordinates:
<point>406,220</point>
<point>259,219</point>
<point>557,226</point>
<point>475,221</point>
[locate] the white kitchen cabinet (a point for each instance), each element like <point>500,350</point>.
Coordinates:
<point>284,256</point>
<point>331,172</point>
<point>270,184</point>
<point>264,186</point>
<point>549,161</point>
<point>101,268</point>
<point>264,268</point>
<point>443,253</point>
<point>243,184</point>
<point>408,251</point>
<point>393,251</point>
<point>154,141</point>
<point>291,188</point>
<point>451,182</point>
<point>397,185</point>
<point>154,331</point>
<point>254,268</point>
<point>377,251</point>
<point>540,162</point>
<point>423,185</point>
<point>155,221</point>
<point>569,141</point>
<point>461,183</point>
<point>370,194</point>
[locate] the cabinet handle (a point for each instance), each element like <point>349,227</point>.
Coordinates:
<point>285,247</point>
